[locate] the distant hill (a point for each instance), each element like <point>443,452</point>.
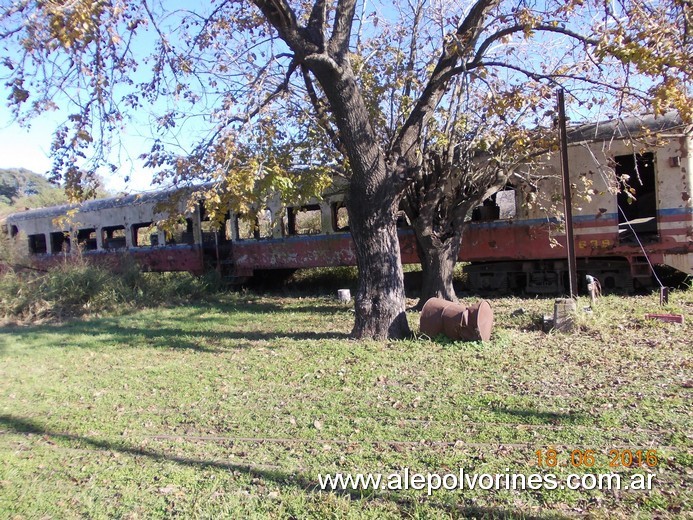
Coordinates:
<point>21,189</point>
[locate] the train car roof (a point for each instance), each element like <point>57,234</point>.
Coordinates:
<point>95,205</point>
<point>629,127</point>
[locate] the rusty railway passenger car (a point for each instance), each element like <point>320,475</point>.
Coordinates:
<point>106,231</point>
<point>632,207</point>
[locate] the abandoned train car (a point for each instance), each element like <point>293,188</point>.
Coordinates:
<point>631,186</point>
<point>632,208</point>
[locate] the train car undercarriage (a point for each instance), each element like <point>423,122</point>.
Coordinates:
<point>548,277</point>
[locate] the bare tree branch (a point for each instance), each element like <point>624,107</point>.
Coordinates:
<point>481,51</point>
<point>316,24</point>
<point>468,33</point>
<point>281,88</point>
<point>341,32</point>
<point>554,78</point>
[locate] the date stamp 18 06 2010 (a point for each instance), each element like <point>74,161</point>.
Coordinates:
<point>617,458</point>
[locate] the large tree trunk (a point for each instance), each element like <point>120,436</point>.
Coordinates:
<point>380,299</point>
<point>438,259</point>
<point>374,194</point>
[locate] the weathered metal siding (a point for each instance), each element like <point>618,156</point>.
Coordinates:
<point>119,211</point>
<point>163,259</point>
<point>676,206</point>
<point>295,252</point>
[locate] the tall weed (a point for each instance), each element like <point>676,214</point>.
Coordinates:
<point>76,287</point>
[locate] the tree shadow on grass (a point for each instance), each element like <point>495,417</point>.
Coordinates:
<point>538,417</point>
<point>284,479</point>
<point>238,305</point>
<point>111,331</point>
<point>191,329</point>
<point>252,306</point>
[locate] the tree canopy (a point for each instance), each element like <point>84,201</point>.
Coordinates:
<point>253,95</point>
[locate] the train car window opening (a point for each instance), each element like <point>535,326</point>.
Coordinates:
<point>182,233</point>
<point>228,229</point>
<point>637,197</point>
<point>207,226</point>
<point>113,237</point>
<point>86,239</point>
<point>188,236</point>
<point>216,232</point>
<point>340,217</point>
<point>37,244</point>
<point>506,201</point>
<point>210,231</point>
<point>289,222</point>
<point>306,220</point>
<point>224,229</point>
<point>488,210</point>
<point>403,220</point>
<point>144,234</point>
<point>245,228</point>
<point>257,228</point>
<point>264,223</point>
<point>60,242</point>
<point>502,205</point>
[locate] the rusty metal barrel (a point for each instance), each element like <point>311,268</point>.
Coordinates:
<point>457,320</point>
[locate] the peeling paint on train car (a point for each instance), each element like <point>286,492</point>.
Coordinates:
<point>304,251</point>
<point>169,259</point>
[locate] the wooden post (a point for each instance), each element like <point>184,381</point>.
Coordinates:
<point>567,199</point>
<point>564,314</point>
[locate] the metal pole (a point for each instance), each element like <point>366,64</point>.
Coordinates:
<point>567,200</point>
<point>663,295</point>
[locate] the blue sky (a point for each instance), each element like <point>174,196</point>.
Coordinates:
<point>29,147</point>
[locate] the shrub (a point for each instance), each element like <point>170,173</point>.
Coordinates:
<point>163,287</point>
<point>16,294</point>
<point>76,287</point>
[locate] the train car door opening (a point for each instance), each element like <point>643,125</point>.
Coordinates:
<point>637,198</point>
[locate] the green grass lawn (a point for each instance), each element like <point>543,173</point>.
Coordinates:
<point>232,408</point>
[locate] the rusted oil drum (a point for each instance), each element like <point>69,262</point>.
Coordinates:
<point>480,322</point>
<point>431,320</point>
<point>457,320</point>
